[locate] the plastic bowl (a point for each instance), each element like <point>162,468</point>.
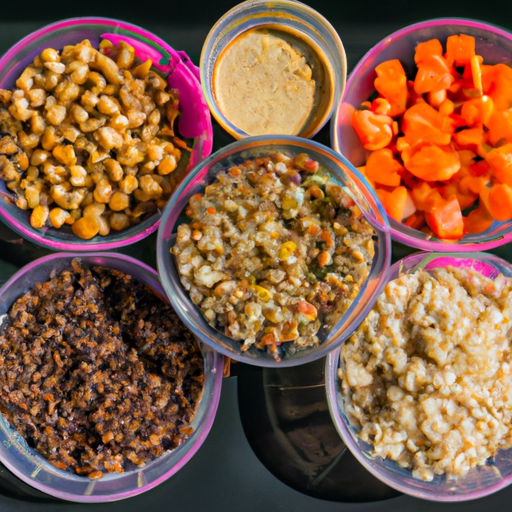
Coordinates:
<point>35,470</point>
<point>203,175</point>
<point>478,482</point>
<point>304,24</point>
<point>185,77</point>
<point>492,43</point>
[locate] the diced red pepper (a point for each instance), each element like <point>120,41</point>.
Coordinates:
<point>423,123</point>
<point>459,49</point>
<point>433,75</point>
<point>397,203</point>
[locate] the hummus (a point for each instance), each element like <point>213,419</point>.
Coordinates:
<point>264,85</point>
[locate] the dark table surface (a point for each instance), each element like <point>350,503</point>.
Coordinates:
<point>225,474</point>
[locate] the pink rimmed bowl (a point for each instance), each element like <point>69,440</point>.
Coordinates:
<point>478,482</point>
<point>195,124</point>
<point>35,470</point>
<point>494,44</point>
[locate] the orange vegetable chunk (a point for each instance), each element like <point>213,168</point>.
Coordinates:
<point>472,84</point>
<point>383,169</point>
<point>391,83</point>
<point>374,131</point>
<point>478,221</point>
<point>501,88</point>
<point>419,193</point>
<point>500,161</point>
<point>427,49</point>
<point>432,163</point>
<point>397,203</point>
<point>477,110</point>
<point>500,201</point>
<point>445,219</point>
<point>500,126</point>
<point>421,122</point>
<point>433,75</point>
<point>460,49</point>
<point>472,138</point>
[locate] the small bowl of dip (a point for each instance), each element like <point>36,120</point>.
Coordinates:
<point>420,393</point>
<point>277,68</point>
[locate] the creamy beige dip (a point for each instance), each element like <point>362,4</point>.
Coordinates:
<point>264,85</point>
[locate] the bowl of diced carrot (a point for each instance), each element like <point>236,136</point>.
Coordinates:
<point>427,117</point>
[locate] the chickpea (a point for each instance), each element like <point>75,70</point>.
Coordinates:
<point>86,227</point>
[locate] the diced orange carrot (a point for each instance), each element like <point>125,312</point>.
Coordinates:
<point>472,138</point>
<point>398,203</point>
<point>391,83</point>
<point>488,73</point>
<point>501,89</point>
<point>460,49</point>
<point>466,199</point>
<point>416,220</point>
<point>383,169</point>
<point>500,127</point>
<point>480,168</point>
<point>420,193</point>
<point>433,75</point>
<point>500,201</point>
<point>432,163</point>
<point>472,78</point>
<point>373,130</point>
<point>445,220</point>
<point>381,106</point>
<point>478,221</point>
<point>436,99</point>
<point>477,110</point>
<point>427,49</point>
<point>500,161</point>
<point>423,123</point>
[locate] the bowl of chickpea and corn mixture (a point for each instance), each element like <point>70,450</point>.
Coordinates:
<point>91,142</point>
<point>272,250</point>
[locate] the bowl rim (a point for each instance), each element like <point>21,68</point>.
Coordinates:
<point>124,237</point>
<point>400,232</point>
<point>300,7</point>
<point>203,428</point>
<point>165,230</point>
<point>332,362</point>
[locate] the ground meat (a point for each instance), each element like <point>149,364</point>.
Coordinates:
<point>97,373</point>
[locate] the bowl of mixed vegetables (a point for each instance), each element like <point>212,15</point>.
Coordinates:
<point>426,118</point>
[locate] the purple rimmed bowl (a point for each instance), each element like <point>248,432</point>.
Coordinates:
<point>494,44</point>
<point>35,470</point>
<point>478,482</point>
<point>182,75</point>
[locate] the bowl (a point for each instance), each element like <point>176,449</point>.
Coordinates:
<point>305,30</point>
<point>492,43</point>
<point>205,174</point>
<point>478,482</point>
<point>34,469</point>
<point>185,78</point>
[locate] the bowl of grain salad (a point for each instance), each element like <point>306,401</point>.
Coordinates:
<point>99,121</point>
<point>104,391</point>
<point>421,392</point>
<point>272,250</point>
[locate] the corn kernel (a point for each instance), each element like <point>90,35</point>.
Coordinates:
<point>86,227</point>
<point>286,250</point>
<point>39,216</point>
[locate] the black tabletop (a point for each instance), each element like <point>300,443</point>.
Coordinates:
<point>227,474</point>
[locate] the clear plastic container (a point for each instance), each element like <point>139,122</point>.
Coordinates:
<point>205,174</point>
<point>290,17</point>
<point>35,470</point>
<point>480,481</point>
<point>492,43</point>
<point>184,77</point>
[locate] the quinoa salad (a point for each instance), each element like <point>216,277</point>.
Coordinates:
<point>426,378</point>
<point>275,252</point>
